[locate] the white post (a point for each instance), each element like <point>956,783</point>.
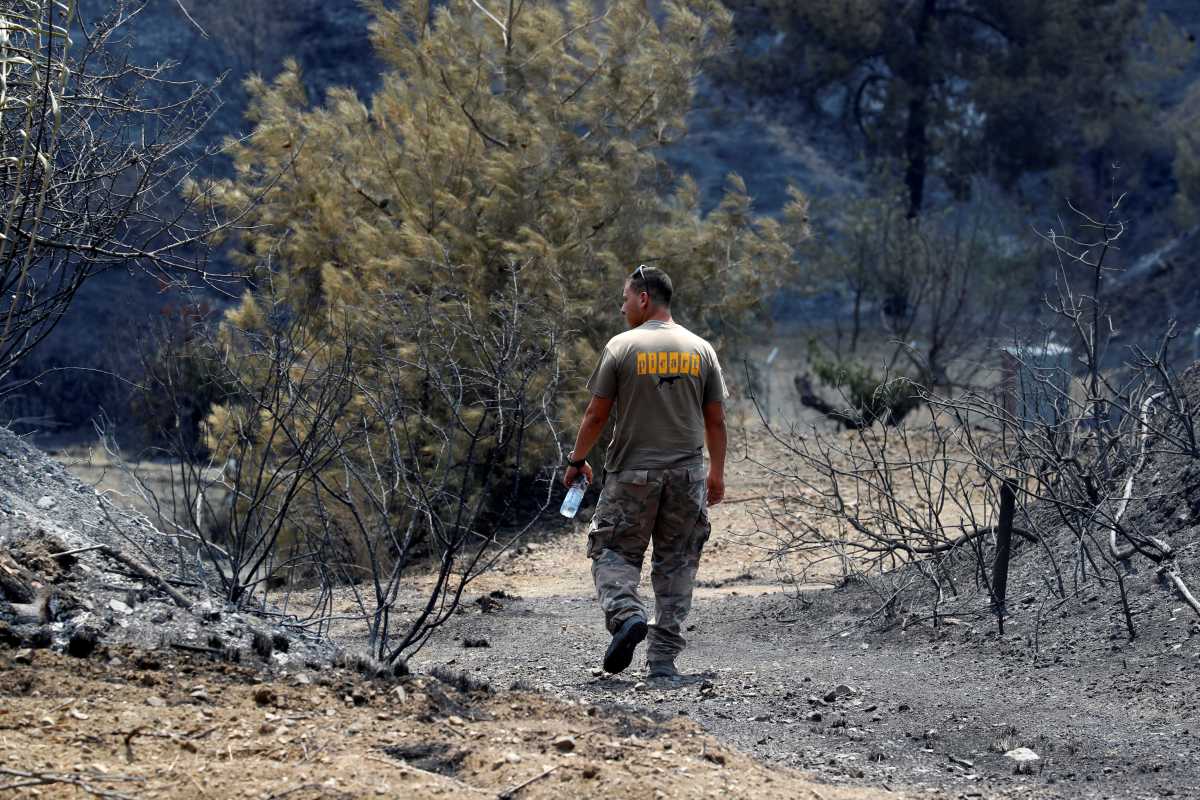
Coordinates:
<point>767,378</point>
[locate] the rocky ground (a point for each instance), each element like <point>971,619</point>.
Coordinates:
<point>793,691</point>
<point>815,678</point>
<point>165,724</point>
<point>120,680</point>
<point>78,569</point>
<point>936,710</point>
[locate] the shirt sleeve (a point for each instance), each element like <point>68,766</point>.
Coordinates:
<point>604,378</point>
<point>715,390</point>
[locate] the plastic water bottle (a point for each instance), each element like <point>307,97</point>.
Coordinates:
<point>570,504</point>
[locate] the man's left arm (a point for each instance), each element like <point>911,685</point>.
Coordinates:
<point>715,439</point>
<point>594,420</point>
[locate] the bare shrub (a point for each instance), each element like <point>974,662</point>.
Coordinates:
<point>279,396</point>
<point>439,469</point>
<point>914,509</point>
<point>90,166</point>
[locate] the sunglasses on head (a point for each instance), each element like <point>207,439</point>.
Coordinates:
<point>639,274</point>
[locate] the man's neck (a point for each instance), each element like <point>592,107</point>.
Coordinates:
<point>659,315</point>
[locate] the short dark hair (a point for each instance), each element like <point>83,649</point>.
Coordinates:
<point>654,282</point>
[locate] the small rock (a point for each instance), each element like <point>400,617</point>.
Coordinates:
<point>120,607</point>
<point>590,771</point>
<point>487,604</point>
<point>264,696</point>
<point>469,642</point>
<point>83,642</point>
<point>1024,759</point>
<point>46,502</point>
<point>639,686</point>
<point>42,637</point>
<point>839,691</point>
<point>597,672</point>
<point>1022,754</point>
<point>24,656</point>
<point>512,758</point>
<point>207,611</point>
<point>564,744</point>
<point>262,644</point>
<point>146,661</point>
<point>154,701</point>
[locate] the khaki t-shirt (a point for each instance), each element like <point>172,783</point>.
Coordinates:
<point>660,375</point>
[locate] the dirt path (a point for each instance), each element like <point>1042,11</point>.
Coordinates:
<point>796,681</point>
<point>923,710</point>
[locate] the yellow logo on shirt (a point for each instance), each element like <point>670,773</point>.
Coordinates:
<point>664,363</point>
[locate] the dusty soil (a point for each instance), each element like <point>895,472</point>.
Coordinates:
<point>134,724</point>
<point>922,708</point>
<point>185,698</point>
<point>788,684</point>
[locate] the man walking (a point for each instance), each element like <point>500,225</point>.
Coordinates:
<point>667,386</point>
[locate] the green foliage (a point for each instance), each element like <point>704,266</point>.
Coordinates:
<point>971,87</point>
<point>871,398</point>
<point>466,233</point>
<point>493,145</point>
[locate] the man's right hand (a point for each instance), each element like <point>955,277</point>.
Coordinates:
<point>572,474</point>
<point>716,488</point>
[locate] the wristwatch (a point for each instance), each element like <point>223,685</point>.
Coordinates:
<point>575,464</point>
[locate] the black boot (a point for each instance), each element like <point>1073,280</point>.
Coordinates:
<point>662,670</point>
<point>624,642</point>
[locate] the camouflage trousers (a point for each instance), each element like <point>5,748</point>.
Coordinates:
<point>637,507</point>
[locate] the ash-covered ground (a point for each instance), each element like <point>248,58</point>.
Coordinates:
<point>80,572</point>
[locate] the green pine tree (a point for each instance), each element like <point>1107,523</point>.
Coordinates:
<point>501,183</point>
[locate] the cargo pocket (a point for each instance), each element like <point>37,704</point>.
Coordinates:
<point>599,532</point>
<point>605,520</point>
<point>700,532</point>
